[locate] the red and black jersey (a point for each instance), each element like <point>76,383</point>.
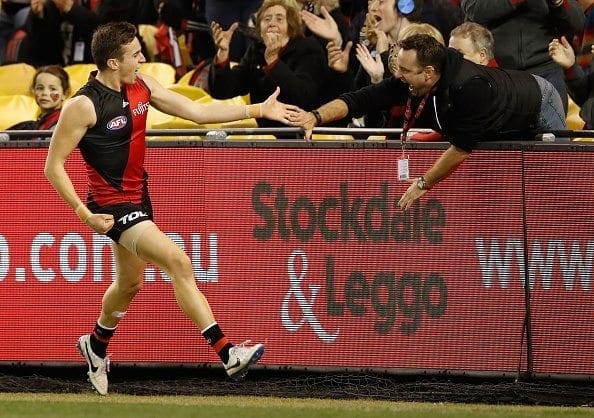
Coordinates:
<point>113,149</point>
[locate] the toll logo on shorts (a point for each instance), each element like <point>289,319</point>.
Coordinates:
<point>132,216</point>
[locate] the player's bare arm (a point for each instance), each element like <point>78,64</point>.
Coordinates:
<point>176,104</point>
<point>76,117</point>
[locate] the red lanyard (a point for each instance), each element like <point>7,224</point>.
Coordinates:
<point>410,121</point>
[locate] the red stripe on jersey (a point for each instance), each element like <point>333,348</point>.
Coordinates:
<point>134,175</point>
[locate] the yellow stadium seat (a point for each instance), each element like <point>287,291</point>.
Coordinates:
<point>242,123</point>
<point>156,117</point>
<point>191,92</point>
<point>78,75</point>
<point>159,120</point>
<point>16,79</point>
<point>17,108</point>
<point>147,33</point>
<point>317,137</point>
<point>162,72</point>
<point>177,123</point>
<point>574,121</point>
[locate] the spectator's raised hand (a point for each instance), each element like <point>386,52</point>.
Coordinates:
<point>274,42</point>
<point>338,59</point>
<point>561,52</point>
<point>329,4</point>
<point>325,27</point>
<point>372,65</point>
<point>37,7</point>
<point>222,39</point>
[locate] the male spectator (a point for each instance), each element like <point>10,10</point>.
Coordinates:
<point>475,42</point>
<point>464,101</point>
<point>522,30</point>
<point>374,70</point>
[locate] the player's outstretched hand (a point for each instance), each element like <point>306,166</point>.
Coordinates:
<point>275,110</point>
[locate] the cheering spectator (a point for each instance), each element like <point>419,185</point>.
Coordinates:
<point>284,58</point>
<point>466,102</point>
<point>475,42</point>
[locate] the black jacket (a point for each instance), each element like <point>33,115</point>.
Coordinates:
<point>523,29</point>
<point>470,102</point>
<point>301,73</point>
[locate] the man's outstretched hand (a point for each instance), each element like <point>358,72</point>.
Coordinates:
<point>303,119</point>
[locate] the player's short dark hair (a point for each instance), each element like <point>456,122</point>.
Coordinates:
<point>108,40</point>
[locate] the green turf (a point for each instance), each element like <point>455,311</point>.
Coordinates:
<point>126,406</point>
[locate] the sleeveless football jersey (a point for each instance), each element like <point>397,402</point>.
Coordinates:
<point>114,149</point>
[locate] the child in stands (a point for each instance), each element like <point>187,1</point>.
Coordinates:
<point>50,87</point>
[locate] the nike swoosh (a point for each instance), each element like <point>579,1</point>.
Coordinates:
<point>93,367</point>
<point>237,364</point>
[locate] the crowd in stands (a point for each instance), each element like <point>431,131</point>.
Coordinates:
<point>313,50</point>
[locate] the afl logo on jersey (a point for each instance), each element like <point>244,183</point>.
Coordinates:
<point>117,123</point>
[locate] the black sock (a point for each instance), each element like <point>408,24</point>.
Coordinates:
<point>100,339</point>
<point>217,340</point>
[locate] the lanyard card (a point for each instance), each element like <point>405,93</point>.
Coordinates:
<point>403,168</point>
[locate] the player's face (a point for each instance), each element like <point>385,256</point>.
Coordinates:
<point>130,62</point>
<point>49,93</point>
<point>409,71</point>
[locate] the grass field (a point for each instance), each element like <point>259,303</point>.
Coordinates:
<point>17,405</point>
